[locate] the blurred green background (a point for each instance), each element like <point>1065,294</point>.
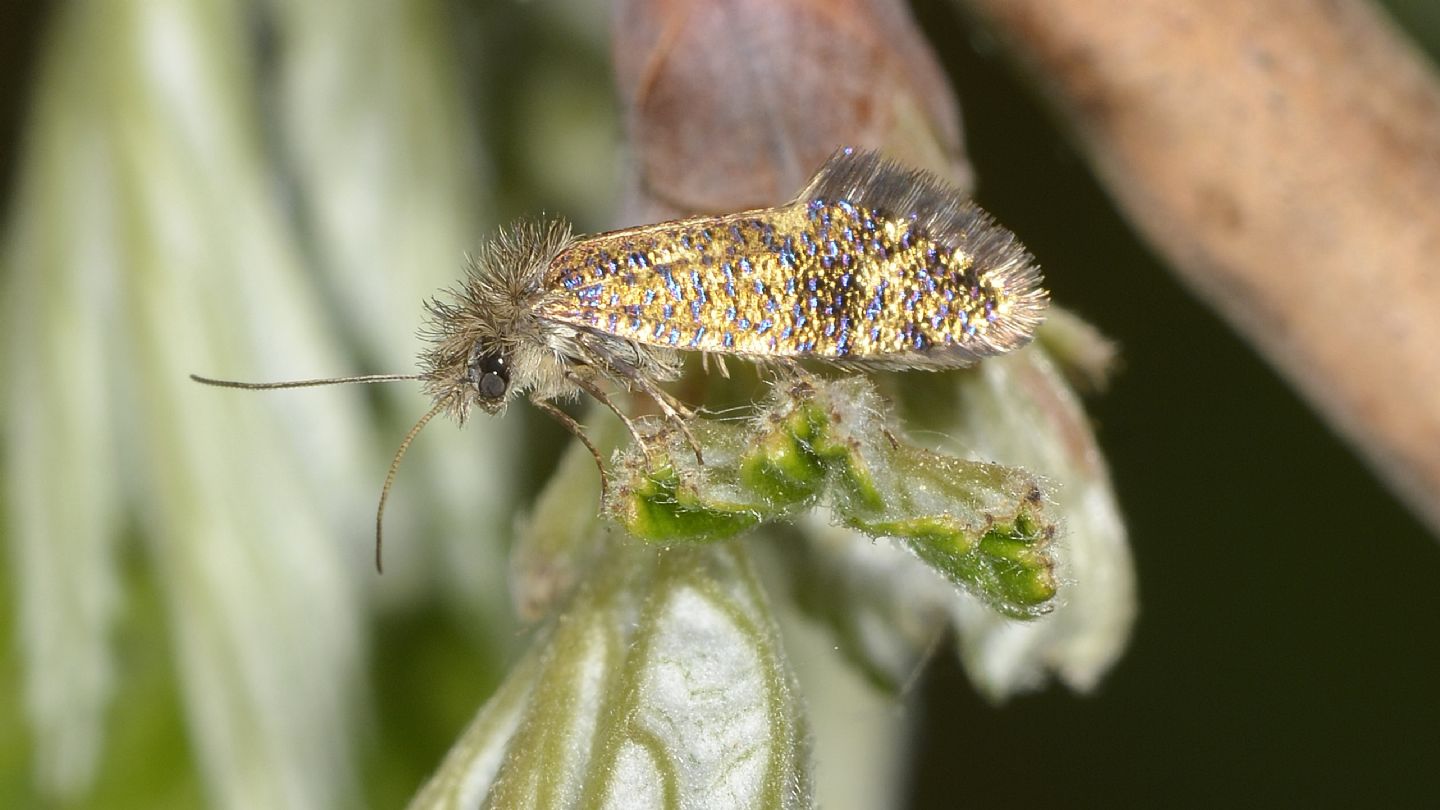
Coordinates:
<point>1286,651</point>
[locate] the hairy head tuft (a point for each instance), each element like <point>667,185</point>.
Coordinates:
<point>493,307</point>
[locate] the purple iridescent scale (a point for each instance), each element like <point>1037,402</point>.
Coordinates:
<point>819,278</point>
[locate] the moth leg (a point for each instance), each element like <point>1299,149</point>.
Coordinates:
<point>663,398</point>
<point>588,386</point>
<point>719,360</point>
<point>673,415</point>
<point>578,432</point>
<point>632,377</point>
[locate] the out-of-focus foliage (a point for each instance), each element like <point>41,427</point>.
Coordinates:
<point>256,191</point>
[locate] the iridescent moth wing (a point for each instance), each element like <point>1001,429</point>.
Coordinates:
<point>873,265</point>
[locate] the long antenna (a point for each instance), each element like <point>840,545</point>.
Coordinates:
<point>261,386</point>
<point>361,378</point>
<point>390,477</point>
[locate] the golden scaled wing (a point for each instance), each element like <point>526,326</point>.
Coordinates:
<point>873,265</point>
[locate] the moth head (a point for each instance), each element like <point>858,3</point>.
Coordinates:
<point>484,335</point>
<point>467,368</point>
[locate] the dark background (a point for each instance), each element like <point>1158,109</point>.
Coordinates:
<point>1286,647</point>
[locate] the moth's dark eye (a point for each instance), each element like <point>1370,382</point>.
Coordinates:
<point>494,376</point>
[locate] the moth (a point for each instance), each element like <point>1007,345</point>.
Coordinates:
<point>872,266</point>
